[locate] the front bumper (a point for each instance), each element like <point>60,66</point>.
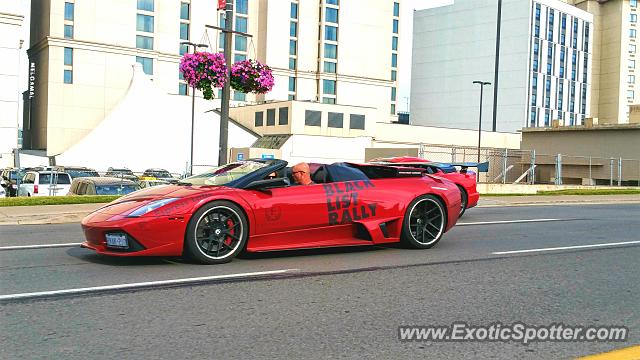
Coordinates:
<point>148,235</point>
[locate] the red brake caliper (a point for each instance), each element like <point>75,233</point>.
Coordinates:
<point>228,239</point>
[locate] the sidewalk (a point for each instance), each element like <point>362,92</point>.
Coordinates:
<point>59,214</point>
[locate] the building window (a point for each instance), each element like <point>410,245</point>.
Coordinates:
<point>271,117</point>
<point>396,9</point>
<point>291,97</point>
<point>534,99</point>
<point>631,64</point>
<point>533,117</point>
<point>631,79</point>
<point>283,116</point>
<point>330,33</point>
<point>239,96</point>
<point>68,77</point>
<point>536,31</point>
<point>292,84</point>
<point>393,109</point>
<point>241,43</point>
<point>632,33</point>
<point>144,42</point>
<point>68,56</point>
<point>329,87</point>
<point>68,31</point>
<point>331,2</point>
<point>330,51</point>
<point>147,64</point>
<point>537,11</point>
<point>241,24</point>
<point>184,11</point>
<point>184,48</point>
<point>394,60</point>
<point>258,118</point>
<point>535,64</point>
<point>632,48</point>
<point>242,6</point>
<point>329,67</point>
<point>146,5</point>
<point>634,3</point>
<point>312,117</point>
<point>328,100</point>
<point>630,94</point>
<point>239,57</point>
<point>331,15</point>
<point>182,89</point>
<point>548,69</point>
<point>292,47</point>
<point>394,75</point>
<point>335,120</point>
<point>394,43</point>
<point>294,10</point>
<point>356,121</point>
<point>184,31</point>
<point>292,63</point>
<point>68,11</point>
<point>395,26</point>
<point>144,23</point>
<point>393,94</point>
<point>293,29</point>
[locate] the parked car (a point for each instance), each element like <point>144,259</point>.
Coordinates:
<point>102,186</point>
<point>121,173</point>
<point>151,182</point>
<point>160,174</point>
<point>44,183</point>
<point>74,171</point>
<point>10,177</point>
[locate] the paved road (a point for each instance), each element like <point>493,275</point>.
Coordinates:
<point>342,303</point>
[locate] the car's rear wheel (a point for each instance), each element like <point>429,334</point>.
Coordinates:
<point>216,233</point>
<point>424,222</point>
<point>463,203</point>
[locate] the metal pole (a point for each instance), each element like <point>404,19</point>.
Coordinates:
<point>590,175</point>
<point>480,123</point>
<point>226,90</point>
<point>193,115</point>
<point>504,165</point>
<point>619,171</point>
<point>497,62</point>
<point>533,167</point>
<point>611,172</point>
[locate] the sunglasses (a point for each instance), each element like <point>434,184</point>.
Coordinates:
<point>299,172</point>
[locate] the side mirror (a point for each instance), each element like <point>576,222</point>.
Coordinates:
<point>266,184</point>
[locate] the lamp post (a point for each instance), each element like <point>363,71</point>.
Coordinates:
<point>193,103</point>
<point>482,84</point>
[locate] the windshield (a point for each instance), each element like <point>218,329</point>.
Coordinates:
<point>160,174</point>
<point>120,172</point>
<point>224,174</point>
<point>115,189</point>
<point>82,173</point>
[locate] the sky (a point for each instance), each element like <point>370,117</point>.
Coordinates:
<point>404,46</point>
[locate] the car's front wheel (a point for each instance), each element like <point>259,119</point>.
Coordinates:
<point>424,222</point>
<point>216,233</point>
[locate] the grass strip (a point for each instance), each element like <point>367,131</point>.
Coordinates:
<point>56,200</point>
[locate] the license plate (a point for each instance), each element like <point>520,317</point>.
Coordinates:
<point>117,241</point>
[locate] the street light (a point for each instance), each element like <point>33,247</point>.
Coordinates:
<point>193,102</point>
<point>482,84</point>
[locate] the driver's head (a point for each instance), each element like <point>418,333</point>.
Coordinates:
<point>301,174</point>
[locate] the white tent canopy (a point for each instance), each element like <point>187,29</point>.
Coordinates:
<point>152,129</point>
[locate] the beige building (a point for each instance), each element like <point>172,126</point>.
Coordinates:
<point>322,51</point>
<point>614,85</point>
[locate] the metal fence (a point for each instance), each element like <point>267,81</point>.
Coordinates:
<point>507,166</point>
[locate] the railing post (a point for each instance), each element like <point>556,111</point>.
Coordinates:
<point>591,182</point>
<point>453,154</point>
<point>611,172</point>
<point>504,165</point>
<point>421,152</point>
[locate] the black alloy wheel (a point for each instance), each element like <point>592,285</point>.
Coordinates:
<point>424,222</point>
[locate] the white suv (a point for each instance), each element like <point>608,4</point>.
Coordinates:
<point>41,183</point>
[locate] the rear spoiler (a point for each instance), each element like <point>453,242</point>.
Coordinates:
<point>482,167</point>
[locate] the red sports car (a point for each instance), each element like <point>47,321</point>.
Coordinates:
<point>212,217</point>
<point>465,180</point>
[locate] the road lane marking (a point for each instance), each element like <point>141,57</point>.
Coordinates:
<point>509,221</point>
<point>43,246</point>
<point>565,248</point>
<point>629,353</point>
<point>131,286</point>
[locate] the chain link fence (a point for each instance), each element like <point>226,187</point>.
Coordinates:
<point>508,166</point>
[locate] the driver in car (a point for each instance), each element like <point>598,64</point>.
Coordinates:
<point>302,174</point>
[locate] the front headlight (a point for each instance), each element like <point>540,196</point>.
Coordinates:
<point>151,206</point>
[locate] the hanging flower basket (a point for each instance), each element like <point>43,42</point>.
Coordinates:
<point>251,76</point>
<point>205,71</point>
